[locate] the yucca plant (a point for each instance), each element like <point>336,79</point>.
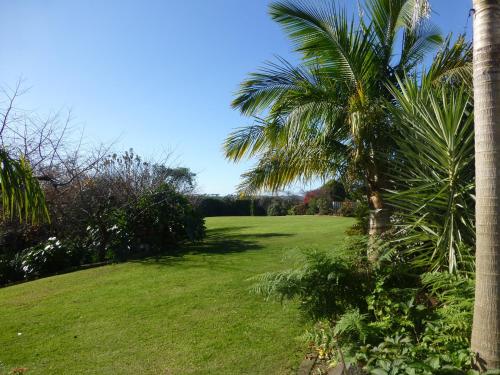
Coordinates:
<point>433,173</point>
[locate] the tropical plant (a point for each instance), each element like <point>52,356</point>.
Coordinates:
<point>433,174</point>
<point>21,194</point>
<point>325,284</point>
<point>486,326</point>
<point>419,328</point>
<point>327,116</point>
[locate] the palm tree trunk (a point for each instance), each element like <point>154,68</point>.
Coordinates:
<point>379,215</point>
<point>486,324</point>
<point>379,219</point>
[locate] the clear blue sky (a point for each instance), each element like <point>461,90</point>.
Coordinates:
<point>156,75</point>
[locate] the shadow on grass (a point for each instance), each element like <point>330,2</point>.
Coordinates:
<point>224,240</point>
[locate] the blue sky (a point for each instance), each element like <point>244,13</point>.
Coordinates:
<point>156,76</point>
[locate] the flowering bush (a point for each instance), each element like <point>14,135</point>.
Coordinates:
<point>45,258</point>
<point>113,240</point>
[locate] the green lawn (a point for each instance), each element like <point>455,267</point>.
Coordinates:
<point>175,315</point>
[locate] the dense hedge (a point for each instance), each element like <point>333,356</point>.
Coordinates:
<point>236,206</point>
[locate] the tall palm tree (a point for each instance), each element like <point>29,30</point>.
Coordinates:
<point>486,324</point>
<point>326,116</point>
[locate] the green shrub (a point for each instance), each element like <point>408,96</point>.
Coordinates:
<point>383,317</point>
<point>277,208</point>
<point>312,206</point>
<point>362,214</point>
<point>423,328</point>
<point>324,206</point>
<point>45,258</point>
<point>298,209</point>
<point>347,209</point>
<point>325,284</point>
<point>162,219</point>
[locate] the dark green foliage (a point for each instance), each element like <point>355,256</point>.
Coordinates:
<point>324,206</point>
<point>383,316</point>
<point>325,284</point>
<point>298,209</point>
<point>240,206</point>
<point>320,201</point>
<point>433,175</point>
<point>334,190</point>
<point>422,329</point>
<point>124,208</point>
<point>347,209</point>
<point>162,219</point>
<point>312,207</point>
<point>45,258</point>
<point>361,212</point>
<point>229,206</point>
<point>277,208</point>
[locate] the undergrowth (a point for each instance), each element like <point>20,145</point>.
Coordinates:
<point>381,318</point>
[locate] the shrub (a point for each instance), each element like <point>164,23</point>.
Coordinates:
<point>361,213</point>
<point>324,206</point>
<point>45,258</point>
<point>312,206</point>
<point>229,206</point>
<point>277,208</point>
<point>326,284</point>
<point>382,317</point>
<point>423,329</point>
<point>125,207</point>
<point>161,219</point>
<point>347,209</point>
<point>298,209</point>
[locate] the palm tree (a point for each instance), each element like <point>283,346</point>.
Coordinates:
<point>486,323</point>
<point>326,116</point>
<point>21,194</point>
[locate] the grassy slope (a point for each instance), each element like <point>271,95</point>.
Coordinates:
<point>183,315</point>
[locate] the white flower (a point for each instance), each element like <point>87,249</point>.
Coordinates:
<point>52,238</point>
<point>19,333</point>
<point>58,243</point>
<point>48,247</point>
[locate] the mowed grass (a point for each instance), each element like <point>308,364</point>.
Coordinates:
<point>191,314</point>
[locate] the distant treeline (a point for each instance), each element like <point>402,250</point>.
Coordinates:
<point>329,199</point>
<point>231,205</point>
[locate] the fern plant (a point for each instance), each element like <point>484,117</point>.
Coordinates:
<point>326,284</point>
<point>419,330</point>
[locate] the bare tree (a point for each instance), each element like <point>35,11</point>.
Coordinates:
<point>56,155</point>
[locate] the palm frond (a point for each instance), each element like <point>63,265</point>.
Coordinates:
<point>266,86</point>
<point>324,35</point>
<point>453,63</point>
<point>22,196</point>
